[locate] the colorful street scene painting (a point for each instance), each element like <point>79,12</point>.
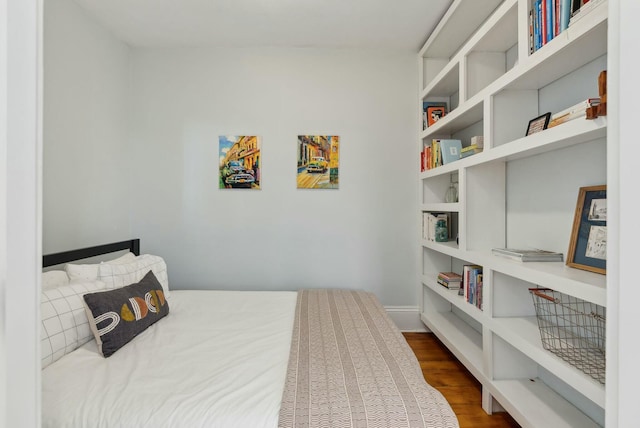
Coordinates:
<point>239,162</point>
<point>318,161</point>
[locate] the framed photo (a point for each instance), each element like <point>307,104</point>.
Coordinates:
<point>538,124</point>
<point>435,113</point>
<point>588,246</point>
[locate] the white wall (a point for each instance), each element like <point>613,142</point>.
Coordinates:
<point>360,236</point>
<point>20,216</point>
<point>85,139</point>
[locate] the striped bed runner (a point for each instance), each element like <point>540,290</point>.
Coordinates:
<point>350,366</point>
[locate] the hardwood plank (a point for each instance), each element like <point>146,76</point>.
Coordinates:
<point>444,372</point>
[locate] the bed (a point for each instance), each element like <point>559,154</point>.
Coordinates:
<point>311,358</point>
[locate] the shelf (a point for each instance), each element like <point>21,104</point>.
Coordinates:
<point>533,404</point>
<point>449,248</point>
<point>452,297</point>
<point>459,338</point>
<point>452,207</point>
<point>582,284</point>
<point>578,131</point>
<point>523,333</point>
<point>517,190</point>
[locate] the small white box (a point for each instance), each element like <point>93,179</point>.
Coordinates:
<point>478,140</point>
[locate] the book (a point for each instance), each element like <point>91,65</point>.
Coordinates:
<point>565,14</point>
<point>523,255</point>
<point>450,150</point>
<point>574,112</point>
<point>434,114</point>
<point>425,107</point>
<point>470,150</point>
<point>450,277</point>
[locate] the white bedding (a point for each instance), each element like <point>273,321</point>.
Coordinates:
<point>218,359</point>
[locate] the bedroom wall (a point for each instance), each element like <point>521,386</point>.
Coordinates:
<point>85,182</point>
<point>360,236</point>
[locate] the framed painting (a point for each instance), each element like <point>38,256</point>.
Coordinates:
<point>588,245</point>
<point>239,162</point>
<point>318,161</point>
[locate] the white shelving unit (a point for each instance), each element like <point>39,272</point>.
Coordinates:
<point>521,191</point>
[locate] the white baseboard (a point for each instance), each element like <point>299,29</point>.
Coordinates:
<point>407,318</point>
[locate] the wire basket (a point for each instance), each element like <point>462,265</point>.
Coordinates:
<point>573,329</point>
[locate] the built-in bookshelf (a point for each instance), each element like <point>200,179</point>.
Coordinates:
<point>518,192</point>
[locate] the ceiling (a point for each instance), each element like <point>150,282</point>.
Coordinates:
<point>369,24</point>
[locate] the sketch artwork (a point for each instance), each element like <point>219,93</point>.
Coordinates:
<point>598,210</point>
<point>597,243</point>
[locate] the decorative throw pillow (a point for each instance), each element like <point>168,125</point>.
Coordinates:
<point>54,278</point>
<point>119,275</point>
<point>117,316</point>
<point>89,272</point>
<point>64,321</point>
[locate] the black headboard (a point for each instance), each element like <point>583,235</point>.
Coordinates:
<point>132,245</point>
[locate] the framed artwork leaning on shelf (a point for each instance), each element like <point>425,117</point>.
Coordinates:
<point>538,124</point>
<point>588,245</point>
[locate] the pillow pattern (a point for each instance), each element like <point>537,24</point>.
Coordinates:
<point>89,272</point>
<point>117,316</point>
<point>65,326</point>
<point>119,275</point>
<point>54,278</point>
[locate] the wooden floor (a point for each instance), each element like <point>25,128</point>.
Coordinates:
<point>444,372</point>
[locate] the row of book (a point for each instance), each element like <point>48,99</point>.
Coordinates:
<point>469,284</point>
<point>472,285</point>
<point>576,111</point>
<point>440,152</point>
<point>548,18</point>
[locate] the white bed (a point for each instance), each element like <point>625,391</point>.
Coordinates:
<point>225,348</point>
<point>311,358</point>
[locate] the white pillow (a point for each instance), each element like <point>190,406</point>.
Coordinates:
<point>120,275</point>
<point>89,272</point>
<point>54,278</point>
<point>65,326</point>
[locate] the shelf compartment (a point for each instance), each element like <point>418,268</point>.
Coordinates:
<point>434,191</point>
<point>578,45</point>
<point>445,84</point>
<point>492,55</point>
<point>584,285</point>
<point>464,116</point>
<point>449,248</point>
<point>460,337</point>
<point>457,25</point>
<point>534,404</point>
<point>452,297</point>
<point>523,334</point>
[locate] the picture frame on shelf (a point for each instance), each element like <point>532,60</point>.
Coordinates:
<point>588,244</point>
<point>538,124</point>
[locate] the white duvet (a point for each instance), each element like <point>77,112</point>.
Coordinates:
<point>218,359</point>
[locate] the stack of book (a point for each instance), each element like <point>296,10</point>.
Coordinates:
<point>472,285</point>
<point>528,255</point>
<point>440,152</point>
<point>432,111</point>
<point>476,146</point>
<point>574,112</point>
<point>450,280</point>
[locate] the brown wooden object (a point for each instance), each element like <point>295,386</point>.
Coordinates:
<point>602,90</point>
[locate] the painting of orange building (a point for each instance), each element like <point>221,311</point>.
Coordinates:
<point>318,161</point>
<point>239,162</point>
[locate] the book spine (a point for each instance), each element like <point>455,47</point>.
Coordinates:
<point>549,20</point>
<point>565,14</point>
<point>531,44</point>
<point>539,22</point>
<point>544,22</point>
